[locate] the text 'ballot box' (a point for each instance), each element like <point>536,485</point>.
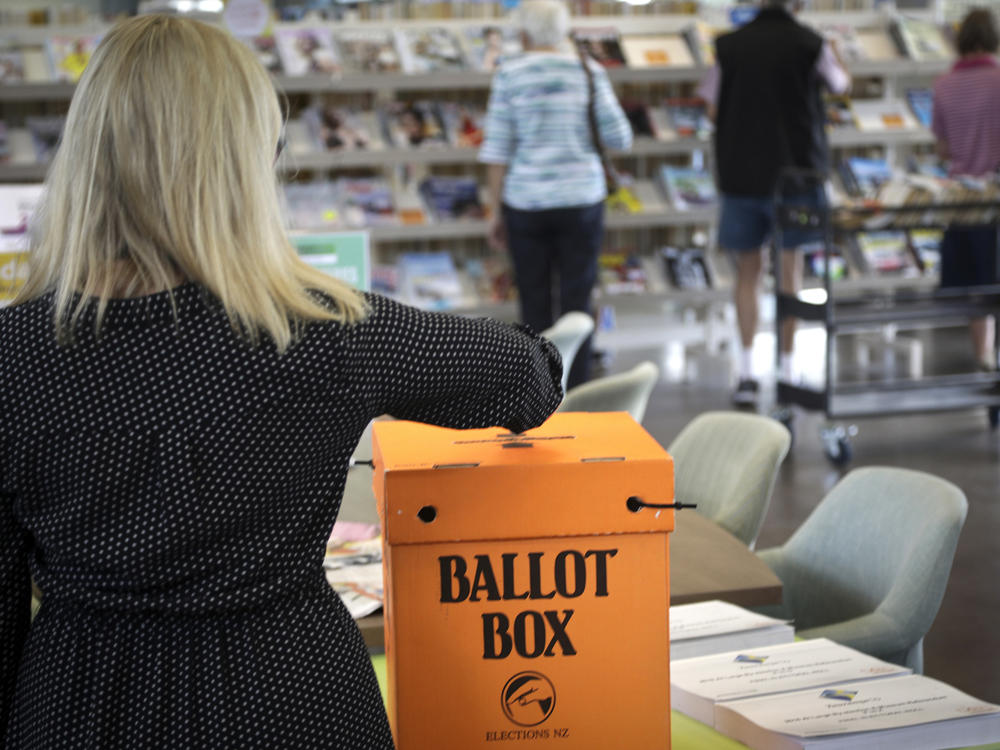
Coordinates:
<point>526,591</point>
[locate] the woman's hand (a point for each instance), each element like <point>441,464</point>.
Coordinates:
<point>497,236</point>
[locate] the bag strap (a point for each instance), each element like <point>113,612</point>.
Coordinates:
<point>610,180</point>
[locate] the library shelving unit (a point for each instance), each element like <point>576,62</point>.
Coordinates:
<point>644,230</point>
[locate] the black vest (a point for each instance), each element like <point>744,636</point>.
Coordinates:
<point>770,110</point>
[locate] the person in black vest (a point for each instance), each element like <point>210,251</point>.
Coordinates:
<point>765,97</point>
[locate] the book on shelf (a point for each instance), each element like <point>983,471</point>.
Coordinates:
<point>487,46</point>
<point>385,279</point>
<point>452,198</point>
<point>366,201</point>
<point>307,51</point>
<point>698,685</point>
<point>885,252</point>
<point>45,130</point>
<point>657,51</point>
<point>921,39</point>
<point>429,50</point>
<point>413,124</point>
<point>715,627</point>
<point>464,125</point>
<point>265,47</point>
<point>921,101</point>
<point>701,39</point>
<point>312,205</point>
<point>907,712</point>
<point>491,278</point>
<point>688,187</point>
<point>689,117</point>
<point>603,44</point>
<point>69,55</point>
<point>621,272</point>
<point>11,66</point>
<point>926,245</point>
<point>368,50</point>
<point>863,177</point>
<point>333,128</point>
<point>882,115</point>
<point>431,281</point>
<point>687,268</point>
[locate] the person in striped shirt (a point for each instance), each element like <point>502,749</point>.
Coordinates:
<point>966,122</point>
<point>545,177</point>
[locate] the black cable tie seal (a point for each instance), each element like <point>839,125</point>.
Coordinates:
<point>635,504</point>
<point>362,462</point>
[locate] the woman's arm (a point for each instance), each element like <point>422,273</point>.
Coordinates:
<point>616,132</point>
<point>15,604</point>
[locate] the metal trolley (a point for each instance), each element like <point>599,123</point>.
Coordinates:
<point>873,308</point>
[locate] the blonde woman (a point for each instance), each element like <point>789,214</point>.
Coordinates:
<point>181,396</point>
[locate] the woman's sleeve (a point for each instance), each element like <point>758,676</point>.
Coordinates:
<point>453,371</point>
<point>616,133</point>
<point>498,130</point>
<point>15,604</point>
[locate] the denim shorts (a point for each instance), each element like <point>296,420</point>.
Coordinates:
<point>746,222</point>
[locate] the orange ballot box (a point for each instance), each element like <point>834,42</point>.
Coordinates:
<point>526,584</point>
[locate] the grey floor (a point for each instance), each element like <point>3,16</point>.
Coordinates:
<point>963,646</point>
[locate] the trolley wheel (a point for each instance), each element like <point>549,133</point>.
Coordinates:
<point>993,414</point>
<point>837,444</point>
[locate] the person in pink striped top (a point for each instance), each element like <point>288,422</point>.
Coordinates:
<point>966,122</point>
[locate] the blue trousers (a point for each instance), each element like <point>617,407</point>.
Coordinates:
<point>554,252</point>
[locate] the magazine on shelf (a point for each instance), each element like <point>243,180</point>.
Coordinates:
<point>368,50</point>
<point>621,272</point>
<point>354,571</point>
<point>877,45</point>
<point>816,257</point>
<point>69,55</point>
<point>265,47</point>
<point>603,44</point>
<point>307,51</point>
<point>838,112</point>
<point>698,685</point>
<point>863,177</point>
<point>657,51</point>
<point>464,125</point>
<point>413,124</point>
<point>920,39</point>
<point>487,46</point>
<point>922,105</point>
<point>688,187</point>
<point>366,201</point>
<point>430,281</point>
<point>333,128</point>
<point>491,278</point>
<point>661,123</point>
<point>430,49</point>
<point>926,244</point>
<point>882,115</point>
<point>701,39</point>
<point>45,130</point>
<point>452,198</point>
<point>885,252</point>
<point>687,268</point>
<point>845,41</point>
<point>909,712</point>
<point>689,117</point>
<point>715,627</point>
<point>312,205</point>
<point>11,66</point>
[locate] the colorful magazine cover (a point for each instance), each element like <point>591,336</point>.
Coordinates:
<point>885,252</point>
<point>845,41</point>
<point>428,50</point>
<point>464,125</point>
<point>687,268</point>
<point>689,117</point>
<point>927,245</point>
<point>452,198</point>
<point>687,187</point>
<point>863,177</point>
<point>307,51</point>
<point>366,201</point>
<point>922,40</point>
<point>266,49</point>
<point>838,111</point>
<point>659,51</point>
<point>487,46</point>
<point>11,66</point>
<point>430,281</point>
<point>369,50</point>
<point>922,104</point>
<point>413,124</point>
<point>69,55</point>
<point>602,44</point>
<point>334,128</point>
<point>45,134</point>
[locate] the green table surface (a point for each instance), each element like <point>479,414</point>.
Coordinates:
<point>685,732</point>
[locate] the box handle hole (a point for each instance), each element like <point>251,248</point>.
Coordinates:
<point>427,514</point>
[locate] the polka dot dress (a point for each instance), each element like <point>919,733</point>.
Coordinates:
<point>170,489</point>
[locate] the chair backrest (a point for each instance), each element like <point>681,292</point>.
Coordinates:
<point>726,462</point>
<point>882,541</point>
<point>568,333</point>
<point>628,391</point>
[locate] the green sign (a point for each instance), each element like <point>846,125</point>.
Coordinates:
<point>343,255</point>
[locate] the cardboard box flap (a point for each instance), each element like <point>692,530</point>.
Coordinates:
<point>573,475</point>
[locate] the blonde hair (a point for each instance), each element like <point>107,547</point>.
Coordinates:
<point>166,171</point>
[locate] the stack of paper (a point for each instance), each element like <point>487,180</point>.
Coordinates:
<point>716,627</point>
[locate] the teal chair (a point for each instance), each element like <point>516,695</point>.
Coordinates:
<point>568,334</point>
<point>627,391</point>
<point>868,567</point>
<point>726,462</point>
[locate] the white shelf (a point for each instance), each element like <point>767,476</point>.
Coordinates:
<point>848,137</point>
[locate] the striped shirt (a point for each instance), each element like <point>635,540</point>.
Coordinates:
<point>536,124</point>
<point>966,115</point>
